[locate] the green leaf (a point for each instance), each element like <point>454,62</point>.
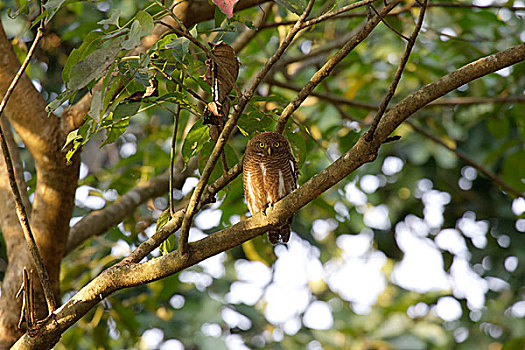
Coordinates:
<point>219,17</point>
<point>72,136</point>
<point>146,22</point>
<point>179,48</point>
<point>59,100</point>
<point>97,105</point>
<point>90,42</point>
<point>296,6</point>
<point>72,151</point>
<point>23,8</point>
<point>170,243</point>
<point>255,122</point>
<point>52,7</point>
<point>514,170</point>
<point>113,19</point>
<point>195,140</point>
<point>134,35</point>
<point>115,129</point>
<point>181,99</point>
<point>126,109</point>
<point>94,65</point>
<point>204,155</point>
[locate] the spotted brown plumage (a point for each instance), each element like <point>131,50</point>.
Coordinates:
<point>269,174</point>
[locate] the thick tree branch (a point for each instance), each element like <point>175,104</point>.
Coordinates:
<point>55,183</point>
<point>20,208</point>
<point>127,275</point>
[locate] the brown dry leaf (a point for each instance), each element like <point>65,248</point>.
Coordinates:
<point>222,73</point>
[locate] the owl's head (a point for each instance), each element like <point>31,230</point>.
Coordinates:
<point>268,144</point>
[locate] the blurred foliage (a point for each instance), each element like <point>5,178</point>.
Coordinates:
<point>86,42</point>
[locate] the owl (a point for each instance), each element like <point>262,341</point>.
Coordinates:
<point>269,174</point>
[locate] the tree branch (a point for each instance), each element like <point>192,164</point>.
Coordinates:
<point>20,208</point>
<point>230,124</point>
<point>127,275</point>
<point>451,101</point>
<point>407,8</point>
<point>397,75</point>
<point>189,12</point>
<point>492,176</point>
<point>330,64</point>
<point>175,222</point>
<point>98,222</point>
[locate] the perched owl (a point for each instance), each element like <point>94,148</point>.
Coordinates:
<point>269,174</point>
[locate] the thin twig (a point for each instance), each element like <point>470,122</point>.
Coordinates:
<point>336,12</point>
<point>228,128</point>
<point>397,12</point>
<point>179,83</point>
<point>397,76</point>
<point>244,38</point>
<point>451,101</point>
<point>20,208</point>
<point>329,66</point>
<point>176,115</point>
<point>492,176</point>
<point>388,25</point>
<point>325,96</point>
<point>175,222</point>
<point>183,31</point>
<point>186,33</point>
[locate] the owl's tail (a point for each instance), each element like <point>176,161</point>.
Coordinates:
<point>282,234</point>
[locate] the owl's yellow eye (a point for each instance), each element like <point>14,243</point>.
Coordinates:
<point>276,144</point>
<point>261,144</point>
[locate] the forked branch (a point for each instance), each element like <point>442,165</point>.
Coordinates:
<point>20,208</point>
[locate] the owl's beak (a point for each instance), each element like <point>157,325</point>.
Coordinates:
<point>269,151</point>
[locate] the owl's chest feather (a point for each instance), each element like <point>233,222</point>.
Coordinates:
<point>273,184</point>
<point>266,183</point>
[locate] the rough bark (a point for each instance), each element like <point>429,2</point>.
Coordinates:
<point>55,188</point>
<point>14,238</point>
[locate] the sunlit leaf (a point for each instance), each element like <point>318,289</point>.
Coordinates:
<point>113,19</point>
